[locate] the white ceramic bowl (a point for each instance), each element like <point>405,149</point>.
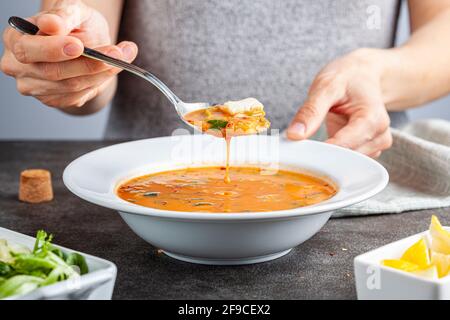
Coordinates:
<point>217,238</point>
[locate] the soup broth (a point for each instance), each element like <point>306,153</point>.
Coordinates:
<point>204,190</point>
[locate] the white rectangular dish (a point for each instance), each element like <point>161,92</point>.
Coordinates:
<point>98,284</point>
<point>377,282</point>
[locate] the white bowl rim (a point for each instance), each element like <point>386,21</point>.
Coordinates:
<point>127,207</point>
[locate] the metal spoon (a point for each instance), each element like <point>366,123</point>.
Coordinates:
<point>181,107</point>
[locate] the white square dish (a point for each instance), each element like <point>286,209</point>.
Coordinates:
<point>377,282</point>
<point>98,284</point>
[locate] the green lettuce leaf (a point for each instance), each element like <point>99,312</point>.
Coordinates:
<point>23,270</point>
<point>18,285</point>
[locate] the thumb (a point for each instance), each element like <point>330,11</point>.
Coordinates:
<point>63,17</point>
<point>310,116</point>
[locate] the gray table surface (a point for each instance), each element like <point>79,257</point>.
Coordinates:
<point>321,268</point>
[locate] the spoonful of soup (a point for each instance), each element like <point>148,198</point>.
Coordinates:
<point>233,118</point>
<point>236,117</point>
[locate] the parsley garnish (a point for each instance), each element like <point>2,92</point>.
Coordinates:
<point>217,124</point>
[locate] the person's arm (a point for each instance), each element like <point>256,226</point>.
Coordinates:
<point>419,71</point>
<point>50,66</point>
<point>353,93</point>
<point>112,11</point>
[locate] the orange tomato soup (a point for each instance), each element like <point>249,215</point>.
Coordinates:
<point>204,190</point>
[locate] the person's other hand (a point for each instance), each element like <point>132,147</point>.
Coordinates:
<point>347,95</point>
<point>49,66</point>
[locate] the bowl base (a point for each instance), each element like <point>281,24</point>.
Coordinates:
<point>228,262</point>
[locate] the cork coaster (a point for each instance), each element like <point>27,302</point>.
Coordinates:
<point>35,186</point>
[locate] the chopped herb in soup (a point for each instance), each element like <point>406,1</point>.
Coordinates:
<point>204,190</point>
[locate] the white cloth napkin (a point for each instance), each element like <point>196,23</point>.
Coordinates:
<point>419,168</point>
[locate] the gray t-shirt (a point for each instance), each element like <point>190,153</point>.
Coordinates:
<point>220,50</point>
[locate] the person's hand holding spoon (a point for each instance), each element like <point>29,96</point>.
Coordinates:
<point>50,67</point>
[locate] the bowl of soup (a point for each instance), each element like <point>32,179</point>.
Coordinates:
<point>173,192</point>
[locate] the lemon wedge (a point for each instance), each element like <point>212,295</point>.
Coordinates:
<point>442,263</point>
<point>418,254</point>
<point>401,265</point>
<point>430,263</point>
<point>430,273</point>
<point>440,238</point>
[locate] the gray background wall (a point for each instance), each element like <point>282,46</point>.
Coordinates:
<point>25,118</point>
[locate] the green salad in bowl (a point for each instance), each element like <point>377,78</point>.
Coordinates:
<point>23,269</point>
